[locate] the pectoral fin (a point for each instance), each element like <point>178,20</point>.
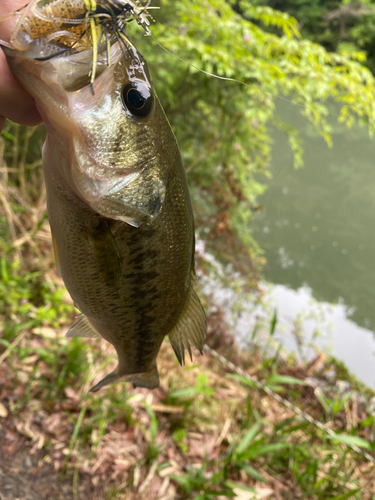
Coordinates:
<point>190,328</point>
<point>83,328</point>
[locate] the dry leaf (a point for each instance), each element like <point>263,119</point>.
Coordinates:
<point>3,411</point>
<point>54,424</point>
<point>71,394</point>
<point>259,494</point>
<point>50,333</point>
<point>30,360</point>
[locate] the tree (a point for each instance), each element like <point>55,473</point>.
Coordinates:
<point>339,25</point>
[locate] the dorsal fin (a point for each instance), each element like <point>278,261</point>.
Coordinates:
<point>83,328</point>
<point>190,328</point>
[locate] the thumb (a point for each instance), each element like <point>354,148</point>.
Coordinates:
<point>15,103</point>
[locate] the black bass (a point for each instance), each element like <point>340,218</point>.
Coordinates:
<point>118,203</point>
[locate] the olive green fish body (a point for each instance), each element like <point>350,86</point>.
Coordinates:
<point>119,209</point>
<point>131,283</point>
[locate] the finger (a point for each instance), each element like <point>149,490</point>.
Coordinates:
<point>15,103</point>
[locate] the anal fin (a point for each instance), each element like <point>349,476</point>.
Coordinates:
<point>82,328</point>
<point>190,329</point>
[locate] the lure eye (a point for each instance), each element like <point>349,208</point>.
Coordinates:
<point>137,98</point>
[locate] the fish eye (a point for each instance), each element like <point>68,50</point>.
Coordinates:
<point>137,98</point>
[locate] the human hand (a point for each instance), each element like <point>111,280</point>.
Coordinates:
<point>15,103</point>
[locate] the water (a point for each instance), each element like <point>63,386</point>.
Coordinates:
<point>338,335</point>
<point>318,233</point>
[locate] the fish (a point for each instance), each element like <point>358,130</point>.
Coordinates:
<point>118,201</point>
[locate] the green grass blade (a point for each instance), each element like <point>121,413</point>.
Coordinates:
<point>76,432</point>
<point>273,323</point>
<point>238,486</point>
<point>346,495</point>
<point>262,450</point>
<point>284,379</point>
<point>188,391</point>
<point>246,440</point>
<point>250,471</point>
<point>243,380</point>
<point>350,440</point>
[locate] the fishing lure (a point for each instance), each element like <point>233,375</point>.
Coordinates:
<point>76,25</point>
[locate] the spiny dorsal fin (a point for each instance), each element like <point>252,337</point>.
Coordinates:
<point>190,328</point>
<point>82,328</point>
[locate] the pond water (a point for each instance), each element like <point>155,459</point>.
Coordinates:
<point>318,234</point>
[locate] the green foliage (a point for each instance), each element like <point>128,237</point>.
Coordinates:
<point>202,486</point>
<point>263,450</point>
<point>153,450</point>
<point>344,26</point>
<point>332,404</point>
<point>352,440</point>
<point>29,303</point>
<point>27,300</point>
<point>223,126</point>
<point>202,387</point>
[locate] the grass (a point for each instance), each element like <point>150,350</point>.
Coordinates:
<point>205,434</point>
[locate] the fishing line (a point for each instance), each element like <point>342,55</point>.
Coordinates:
<point>262,387</point>
<point>196,67</point>
<point>234,80</point>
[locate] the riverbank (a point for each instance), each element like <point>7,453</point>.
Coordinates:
<point>206,433</point>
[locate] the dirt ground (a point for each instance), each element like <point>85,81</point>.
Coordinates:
<point>25,475</point>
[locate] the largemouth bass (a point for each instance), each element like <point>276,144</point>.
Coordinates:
<point>118,203</point>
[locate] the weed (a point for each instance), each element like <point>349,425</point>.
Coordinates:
<point>153,450</point>
<point>179,437</point>
<point>200,484</point>
<point>202,388</point>
<point>335,404</point>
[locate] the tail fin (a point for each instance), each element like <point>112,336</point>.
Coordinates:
<point>149,380</point>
